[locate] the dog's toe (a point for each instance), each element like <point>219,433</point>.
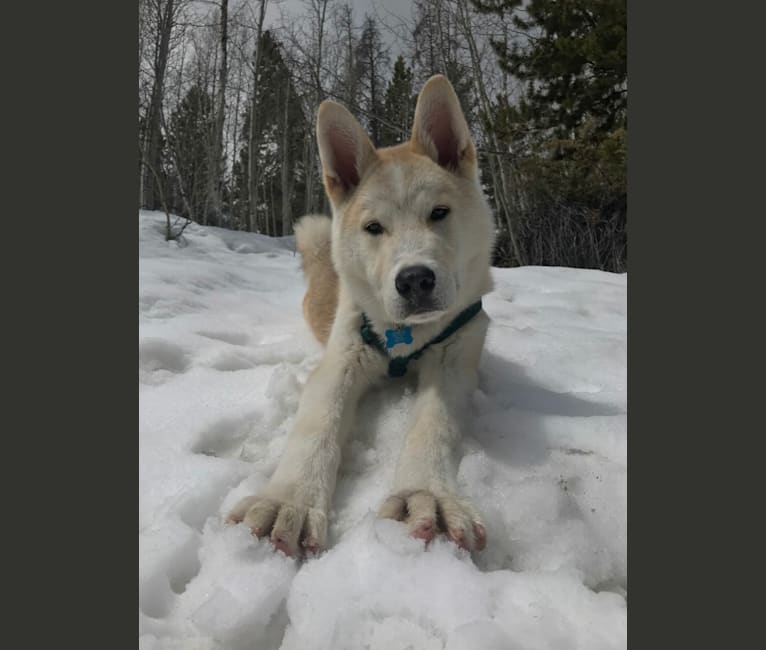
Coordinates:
<point>421,515</point>
<point>314,532</point>
<point>260,517</point>
<point>287,529</point>
<point>462,524</point>
<point>427,515</point>
<point>395,507</point>
<point>291,527</point>
<point>240,509</point>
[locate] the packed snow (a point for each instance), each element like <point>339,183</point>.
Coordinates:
<point>223,356</point>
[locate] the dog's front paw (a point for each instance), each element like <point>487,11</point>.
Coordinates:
<point>427,515</point>
<point>290,526</point>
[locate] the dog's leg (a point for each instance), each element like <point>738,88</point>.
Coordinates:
<point>293,508</point>
<point>425,493</point>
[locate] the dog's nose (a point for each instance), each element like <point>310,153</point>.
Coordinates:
<point>415,282</point>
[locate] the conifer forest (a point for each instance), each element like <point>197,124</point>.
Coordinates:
<point>228,92</point>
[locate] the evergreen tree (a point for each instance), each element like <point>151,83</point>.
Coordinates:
<point>189,132</point>
<point>346,84</point>
<point>399,107</point>
<point>567,133</point>
<point>574,62</point>
<point>372,61</point>
<point>281,134</point>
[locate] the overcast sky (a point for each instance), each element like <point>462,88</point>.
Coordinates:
<point>386,9</point>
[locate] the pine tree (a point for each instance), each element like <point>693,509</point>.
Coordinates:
<point>280,137</point>
<point>574,62</point>
<point>189,132</point>
<point>371,60</point>
<point>568,131</point>
<point>346,85</point>
<point>399,107</point>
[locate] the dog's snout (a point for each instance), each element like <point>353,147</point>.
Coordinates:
<point>415,282</point>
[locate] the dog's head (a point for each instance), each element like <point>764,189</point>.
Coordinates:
<point>412,231</point>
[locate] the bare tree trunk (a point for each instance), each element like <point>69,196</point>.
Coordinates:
<point>501,190</point>
<point>432,57</point>
<point>253,135</point>
<point>141,22</point>
<point>443,53</point>
<point>349,91</point>
<point>210,82</point>
<point>151,148</point>
<point>287,176</point>
<point>169,234</point>
<point>214,172</point>
<point>274,232</point>
<point>179,177</point>
<point>235,138</point>
<point>320,13</point>
<point>373,95</point>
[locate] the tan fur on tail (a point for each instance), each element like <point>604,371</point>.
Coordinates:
<point>313,240</point>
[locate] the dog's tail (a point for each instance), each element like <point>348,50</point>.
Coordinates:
<point>313,241</point>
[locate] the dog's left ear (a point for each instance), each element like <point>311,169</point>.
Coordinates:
<point>440,130</point>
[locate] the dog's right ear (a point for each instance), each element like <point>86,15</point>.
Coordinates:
<point>344,149</point>
<point>440,130</point>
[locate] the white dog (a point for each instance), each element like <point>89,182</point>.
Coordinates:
<point>395,281</point>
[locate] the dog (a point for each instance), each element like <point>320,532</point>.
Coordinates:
<point>394,285</point>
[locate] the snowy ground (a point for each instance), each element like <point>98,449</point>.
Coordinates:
<point>223,354</point>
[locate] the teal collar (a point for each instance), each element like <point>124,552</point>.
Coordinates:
<point>397,366</point>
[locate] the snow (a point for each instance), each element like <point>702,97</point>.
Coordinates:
<point>223,355</point>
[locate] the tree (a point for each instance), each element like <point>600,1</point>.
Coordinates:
<point>312,67</point>
<point>399,105</point>
<point>214,166</point>
<point>542,84</point>
<point>346,86</point>
<point>573,60</point>
<point>371,62</point>
<point>252,167</point>
<point>159,19</point>
<point>280,134</point>
<point>189,131</point>
<point>438,49</point>
<point>565,132</point>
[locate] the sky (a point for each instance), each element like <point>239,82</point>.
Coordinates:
<point>388,10</point>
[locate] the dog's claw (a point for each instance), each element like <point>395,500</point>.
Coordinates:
<point>459,538</point>
<point>426,531</point>
<point>480,536</point>
<point>311,547</point>
<point>281,545</point>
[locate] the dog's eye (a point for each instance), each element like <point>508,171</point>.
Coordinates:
<point>439,212</point>
<point>374,228</point>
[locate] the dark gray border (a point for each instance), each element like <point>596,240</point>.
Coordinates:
<point>72,351</point>
<point>72,343</point>
<point>694,244</point>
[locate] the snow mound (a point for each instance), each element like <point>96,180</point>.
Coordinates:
<point>223,357</point>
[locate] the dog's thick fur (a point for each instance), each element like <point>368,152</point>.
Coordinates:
<point>350,271</point>
<point>313,238</point>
